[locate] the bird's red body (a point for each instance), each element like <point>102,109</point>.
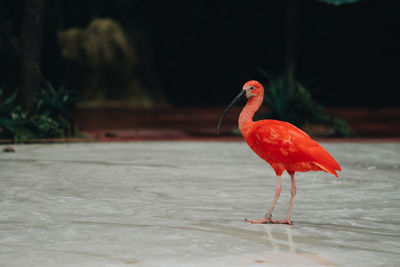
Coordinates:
<point>281,144</point>
<point>286,147</point>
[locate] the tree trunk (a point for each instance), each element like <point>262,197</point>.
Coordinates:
<point>31,42</point>
<point>291,20</point>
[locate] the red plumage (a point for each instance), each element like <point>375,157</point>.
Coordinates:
<point>286,147</point>
<point>281,144</point>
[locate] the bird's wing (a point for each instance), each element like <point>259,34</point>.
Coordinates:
<point>284,143</point>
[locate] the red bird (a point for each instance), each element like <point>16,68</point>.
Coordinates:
<point>284,146</point>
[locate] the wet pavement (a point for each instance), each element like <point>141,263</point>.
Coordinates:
<point>183,204</point>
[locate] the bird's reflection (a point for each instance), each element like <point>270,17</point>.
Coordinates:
<point>274,244</point>
<point>286,254</point>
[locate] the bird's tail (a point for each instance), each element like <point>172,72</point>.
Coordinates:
<point>326,162</point>
<point>327,169</point>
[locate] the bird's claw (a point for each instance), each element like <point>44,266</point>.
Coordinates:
<point>288,222</point>
<point>269,221</point>
<point>261,221</point>
<point>266,220</point>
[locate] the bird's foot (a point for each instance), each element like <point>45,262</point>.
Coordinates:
<point>289,222</point>
<point>268,220</point>
<point>261,221</point>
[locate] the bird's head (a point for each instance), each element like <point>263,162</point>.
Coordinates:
<point>253,88</point>
<point>250,89</point>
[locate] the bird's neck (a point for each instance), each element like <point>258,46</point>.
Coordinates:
<point>246,116</point>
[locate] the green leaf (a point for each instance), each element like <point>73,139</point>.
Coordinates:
<point>65,98</point>
<point>8,104</point>
<point>51,117</point>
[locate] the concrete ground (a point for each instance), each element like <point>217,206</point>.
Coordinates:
<point>183,204</point>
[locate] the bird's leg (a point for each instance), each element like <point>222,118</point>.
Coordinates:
<point>293,194</point>
<point>278,190</point>
<point>268,216</point>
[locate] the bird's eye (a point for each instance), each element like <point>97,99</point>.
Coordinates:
<point>251,87</point>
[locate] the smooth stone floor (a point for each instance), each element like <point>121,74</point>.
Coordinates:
<point>183,204</point>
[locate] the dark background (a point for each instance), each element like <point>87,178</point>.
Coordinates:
<point>201,52</point>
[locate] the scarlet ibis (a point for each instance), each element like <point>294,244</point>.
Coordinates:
<point>284,146</point>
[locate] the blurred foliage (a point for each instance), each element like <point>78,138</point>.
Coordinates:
<point>340,2</point>
<point>102,62</point>
<point>99,58</point>
<point>298,108</point>
<point>102,42</point>
<point>7,104</point>
<point>57,104</point>
<point>181,48</point>
<point>51,117</point>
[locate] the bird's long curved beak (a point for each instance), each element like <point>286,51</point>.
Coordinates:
<point>234,101</point>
